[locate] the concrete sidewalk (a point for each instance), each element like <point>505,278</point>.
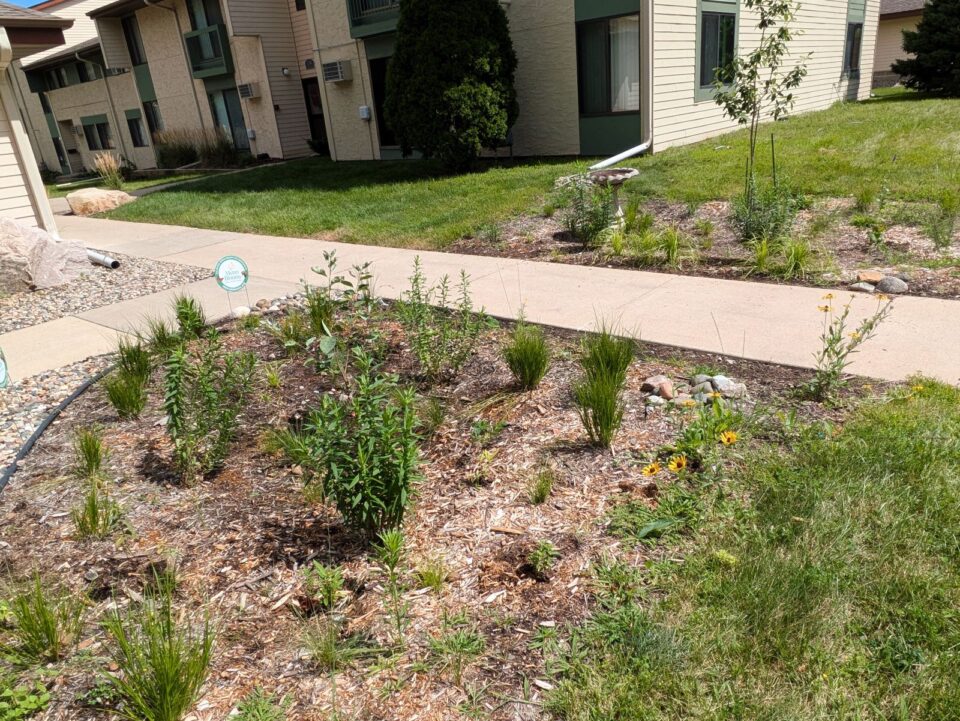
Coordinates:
<point>760,321</point>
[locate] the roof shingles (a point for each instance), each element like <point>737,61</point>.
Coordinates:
<point>11,15</point>
<point>892,7</point>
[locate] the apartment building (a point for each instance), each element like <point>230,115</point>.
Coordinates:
<point>595,77</point>
<point>241,65</point>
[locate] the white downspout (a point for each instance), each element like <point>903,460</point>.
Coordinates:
<point>646,110</point>
<point>21,142</point>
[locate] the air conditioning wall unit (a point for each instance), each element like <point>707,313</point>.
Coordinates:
<point>338,71</point>
<point>249,90</point>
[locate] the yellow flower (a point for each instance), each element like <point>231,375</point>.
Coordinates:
<point>677,463</point>
<point>728,438</point>
<point>918,388</point>
<point>855,335</point>
<point>652,470</point>
<point>824,308</point>
<point>716,395</point>
<point>689,403</point>
<point>883,297</point>
<point>828,296</point>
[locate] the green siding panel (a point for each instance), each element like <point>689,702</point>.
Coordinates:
<point>609,134</point>
<point>134,114</point>
<point>857,11</point>
<point>52,125</point>
<point>93,119</point>
<point>144,82</point>
<point>593,9</point>
<point>381,46</point>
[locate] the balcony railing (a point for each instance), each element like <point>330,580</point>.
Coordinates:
<point>209,51</point>
<point>373,15</point>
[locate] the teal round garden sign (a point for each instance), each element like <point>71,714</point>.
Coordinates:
<point>231,274</point>
<point>4,375</point>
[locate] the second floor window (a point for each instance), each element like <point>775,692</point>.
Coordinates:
<point>131,33</point>
<point>204,13</point>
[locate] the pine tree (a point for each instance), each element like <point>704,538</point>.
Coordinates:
<point>450,83</point>
<point>935,45</point>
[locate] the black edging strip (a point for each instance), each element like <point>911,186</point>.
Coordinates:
<point>51,417</point>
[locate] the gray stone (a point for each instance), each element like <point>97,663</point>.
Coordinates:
<point>682,399</point>
<point>862,287</point>
<point>90,201</point>
<point>241,311</point>
<point>656,401</point>
<point>705,387</point>
<point>729,388</point>
<point>893,285</point>
<point>32,258</point>
<point>700,379</point>
<point>702,398</point>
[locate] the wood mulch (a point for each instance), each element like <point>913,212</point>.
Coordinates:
<point>842,249</point>
<point>240,539</point>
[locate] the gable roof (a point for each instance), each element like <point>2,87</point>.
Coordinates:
<point>12,16</point>
<point>897,7</point>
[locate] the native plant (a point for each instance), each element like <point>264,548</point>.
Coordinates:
<point>432,574</point>
<point>599,393</point>
<point>98,515</point>
<point>391,554</point>
<point>366,449</point>
<point>21,700</point>
<point>127,394</point>
<point>542,558</point>
<point>324,584</point>
<point>89,452</point>
<point>134,360</point>
<point>110,169</point>
<point>205,392</point>
<point>756,86</point>
<point>259,705</point>
<point>443,330</point>
<point>588,209</point>
<point>838,344</point>
<point>162,660</point>
<point>190,317</point>
<point>46,623</point>
<point>541,486</point>
<point>941,225</point>
<point>527,354</point>
<point>456,647</point>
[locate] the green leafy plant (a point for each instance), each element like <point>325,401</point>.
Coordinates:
<point>46,622</point>
<point>797,259</point>
<point>942,224</point>
<point>588,209</point>
<point>259,705</point>
<point>766,210</point>
<point>837,345</point>
<point>391,553</point>
<point>542,558</point>
<point>332,651</point>
<point>710,422</point>
<point>324,584</point>
<point>456,648</point>
<point>366,448</point>
<point>159,336</point>
<point>864,199</point>
<point>527,354</point>
<point>442,331</point>
<point>541,486</point>
<point>677,510</point>
<point>205,392</point>
<point>617,583</point>
<point>21,701</point>
<point>163,662</point>
<point>599,393</point>
<point>433,574</point>
<point>89,452</point>
<point>99,515</point>
<point>486,432</point>
<point>190,317</point>
<point>292,332</point>
<point>126,393</point>
<point>762,260</point>
<point>133,360</point>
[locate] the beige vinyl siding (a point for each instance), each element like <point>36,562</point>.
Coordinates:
<point>889,47</point>
<point>15,199</point>
<point>821,26</point>
<point>270,21</point>
<point>84,28</point>
<point>302,38</point>
<point>115,53</point>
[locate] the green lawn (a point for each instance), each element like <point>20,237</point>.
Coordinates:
<point>833,593</point>
<point>54,192</point>
<point>901,142</point>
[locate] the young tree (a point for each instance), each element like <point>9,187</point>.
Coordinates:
<point>450,84</point>
<point>759,84</point>
<point>935,45</point>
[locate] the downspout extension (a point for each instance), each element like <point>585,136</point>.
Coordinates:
<point>646,109</point>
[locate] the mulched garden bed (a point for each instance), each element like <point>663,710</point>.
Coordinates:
<point>842,249</point>
<point>240,538</point>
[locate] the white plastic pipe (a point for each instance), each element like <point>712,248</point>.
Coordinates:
<point>647,107</point>
<point>105,260</point>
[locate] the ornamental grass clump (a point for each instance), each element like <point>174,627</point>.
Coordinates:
<point>46,623</point>
<point>205,393</point>
<point>366,449</point>
<point>599,394</point>
<point>162,660</point>
<point>528,355</point>
<point>98,515</point>
<point>110,169</point>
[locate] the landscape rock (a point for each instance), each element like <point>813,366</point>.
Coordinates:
<point>241,311</point>
<point>653,383</point>
<point>682,399</point>
<point>90,201</point>
<point>700,378</point>
<point>728,388</point>
<point>32,258</point>
<point>701,398</point>
<point>705,387</point>
<point>862,287</point>
<point>893,285</point>
<point>656,401</point>
<point>870,276</point>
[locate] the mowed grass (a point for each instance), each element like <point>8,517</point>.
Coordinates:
<point>833,594</point>
<point>397,203</point>
<point>900,142</point>
<point>131,185</point>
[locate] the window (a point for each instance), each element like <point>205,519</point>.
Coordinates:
<point>608,65</point>
<point>228,115</point>
<point>204,13</point>
<point>57,78</point>
<point>136,132</point>
<point>83,73</point>
<point>301,4</point>
<point>852,49</point>
<point>716,45</point>
<point>152,110</point>
<point>97,135</point>
<point>131,33</point>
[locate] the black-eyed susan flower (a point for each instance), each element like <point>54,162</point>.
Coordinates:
<point>824,308</point>
<point>828,296</point>
<point>918,388</point>
<point>728,438</point>
<point>678,463</point>
<point>652,470</point>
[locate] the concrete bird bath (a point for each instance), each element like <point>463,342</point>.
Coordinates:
<point>613,178</point>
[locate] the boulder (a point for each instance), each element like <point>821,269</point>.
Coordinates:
<point>892,285</point>
<point>862,287</point>
<point>97,200</point>
<point>32,258</point>
<point>869,276</point>
<point>660,385</point>
<point>729,388</point>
